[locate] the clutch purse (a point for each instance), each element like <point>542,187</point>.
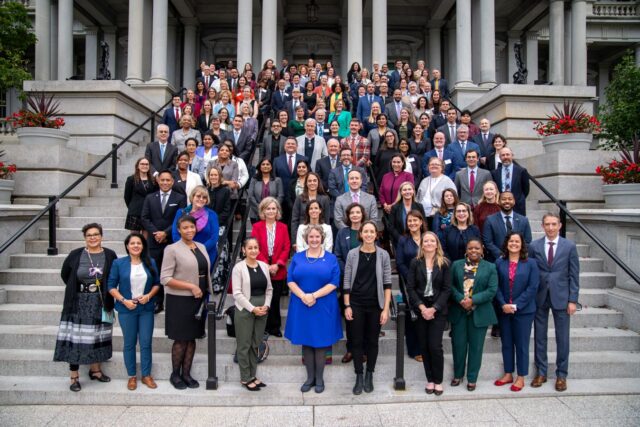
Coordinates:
<point>108,316</point>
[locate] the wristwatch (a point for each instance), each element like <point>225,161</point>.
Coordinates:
<point>347,306</point>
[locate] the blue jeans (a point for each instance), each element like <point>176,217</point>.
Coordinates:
<point>137,324</point>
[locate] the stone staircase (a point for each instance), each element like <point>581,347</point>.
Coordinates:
<point>605,358</point>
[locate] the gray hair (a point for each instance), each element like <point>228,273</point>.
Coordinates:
<point>312,227</point>
<point>306,122</point>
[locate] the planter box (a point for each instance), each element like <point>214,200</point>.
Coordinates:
<point>621,196</point>
<point>43,136</point>
<point>6,189</point>
<point>569,141</point>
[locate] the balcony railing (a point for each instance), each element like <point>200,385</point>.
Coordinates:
<point>615,9</point>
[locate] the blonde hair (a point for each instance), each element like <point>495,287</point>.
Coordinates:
<point>405,184</point>
<point>199,189</point>
<point>439,258</point>
<point>454,220</point>
<point>265,203</point>
<point>483,199</point>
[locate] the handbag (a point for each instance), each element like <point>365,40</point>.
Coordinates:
<point>108,316</point>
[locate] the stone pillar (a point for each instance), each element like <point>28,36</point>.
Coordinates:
<point>451,68</point>
<point>189,63</point>
<point>532,57</point>
<point>159,42</point>
<point>91,50</point>
<point>109,37</point>
<point>579,43</point>
<point>435,45</point>
<point>354,40</point>
<point>513,38</point>
<point>344,59</point>
<point>43,47</point>
<point>135,42</point>
<point>54,42</point>
<point>367,48</point>
<point>269,31</point>
<point>65,39</point>
<point>566,49</point>
<point>379,36</point>
<point>487,43</point>
<point>603,81</point>
<point>463,43</point>
<point>255,47</point>
<point>280,52</point>
<point>245,32</point>
<point>556,42</point>
<point>172,61</point>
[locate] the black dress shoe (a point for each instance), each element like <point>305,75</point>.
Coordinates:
<point>190,382</point>
<point>368,382</point>
<point>495,331</point>
<point>75,385</point>
<point>102,378</point>
<point>177,382</point>
<point>307,386</point>
<point>357,388</point>
<point>319,388</point>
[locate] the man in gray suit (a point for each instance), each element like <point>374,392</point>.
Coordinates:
<point>311,145</point>
<point>559,267</point>
<point>393,108</point>
<point>470,180</point>
<point>354,195</point>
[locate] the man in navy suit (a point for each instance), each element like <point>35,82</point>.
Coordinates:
<point>558,291</point>
<point>171,116</point>
<point>514,178</point>
<point>439,118</point>
<point>296,101</point>
<point>338,178</point>
<point>325,165</point>
<point>497,225</point>
<point>364,103</point>
<point>463,144</point>
<point>453,162</point>
<point>450,128</point>
<point>484,139</point>
<point>440,84</point>
<point>285,169</point>
<point>279,98</point>
<point>161,153</point>
<point>396,75</point>
<point>241,139</point>
<point>158,212</point>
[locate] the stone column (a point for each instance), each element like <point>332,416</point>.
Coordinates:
<point>451,61</point>
<point>603,81</point>
<point>354,40</point>
<point>255,47</point>
<point>638,55</point>
<point>367,48</point>
<point>91,50</point>
<point>463,43</point>
<point>556,42</point>
<point>487,43</point>
<point>135,41</point>
<point>435,45</point>
<point>280,51</point>
<point>159,41</point>
<point>109,37</point>
<point>43,47</point>
<point>245,32</point>
<point>532,57</point>
<point>53,34</point>
<point>189,63</point>
<point>513,38</point>
<point>579,43</point>
<point>379,36</point>
<point>344,59</point>
<point>269,31</point>
<point>566,49</point>
<point>65,39</point>
<point>172,61</point>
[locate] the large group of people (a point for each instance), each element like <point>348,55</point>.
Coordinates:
<point>353,172</point>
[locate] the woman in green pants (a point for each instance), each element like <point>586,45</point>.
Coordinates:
<point>474,283</point>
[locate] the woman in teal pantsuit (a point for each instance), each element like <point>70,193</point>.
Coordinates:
<point>474,283</point>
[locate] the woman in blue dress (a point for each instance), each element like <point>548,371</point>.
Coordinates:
<point>314,318</point>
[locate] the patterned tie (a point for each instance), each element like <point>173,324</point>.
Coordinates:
<point>507,183</point>
<point>355,198</point>
<point>346,179</point>
<point>508,223</point>
<point>290,163</point>
<point>550,255</point>
<point>333,163</point>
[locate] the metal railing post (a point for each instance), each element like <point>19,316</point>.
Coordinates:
<point>398,381</point>
<point>212,380</point>
<point>52,249</point>
<point>152,126</point>
<point>114,166</point>
<point>563,219</point>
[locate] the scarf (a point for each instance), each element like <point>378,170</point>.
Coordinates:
<point>469,277</point>
<point>201,217</point>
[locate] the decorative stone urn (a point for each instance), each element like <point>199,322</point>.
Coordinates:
<point>568,141</point>
<point>42,136</point>
<point>621,196</point>
<point>6,190</point>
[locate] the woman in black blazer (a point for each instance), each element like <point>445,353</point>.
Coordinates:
<point>264,184</point>
<point>137,187</point>
<point>405,203</point>
<point>461,230</point>
<point>493,158</point>
<point>219,196</point>
<point>429,287</point>
<point>312,190</point>
<point>204,119</point>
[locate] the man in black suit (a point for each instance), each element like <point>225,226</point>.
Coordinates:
<point>513,178</point>
<point>325,165</point>
<point>383,93</point>
<point>439,118</point>
<point>161,153</point>
<point>483,139</point>
<point>206,78</point>
<point>158,212</point>
<point>285,169</point>
<point>233,79</point>
<point>296,100</point>
<point>241,139</point>
<point>450,128</point>
<point>171,116</point>
<point>273,142</point>
<point>440,84</point>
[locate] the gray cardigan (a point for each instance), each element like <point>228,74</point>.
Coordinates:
<point>383,271</point>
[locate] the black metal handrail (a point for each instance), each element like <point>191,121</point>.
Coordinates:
<point>53,200</point>
<point>564,212</point>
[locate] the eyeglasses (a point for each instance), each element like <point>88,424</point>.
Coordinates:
<point>163,131</point>
<point>91,236</point>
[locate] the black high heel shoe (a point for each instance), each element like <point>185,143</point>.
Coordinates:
<point>102,378</point>
<point>75,385</point>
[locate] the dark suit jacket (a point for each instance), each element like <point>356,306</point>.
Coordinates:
<point>203,124</point>
<point>561,280</point>
<point>525,285</point>
<point>153,219</point>
<point>364,107</point>
<point>453,162</point>
<point>422,146</point>
<point>436,121</point>
<point>265,98</point>
<point>265,150</point>
<point>495,231</point>
<point>336,181</point>
<point>152,153</point>
<point>484,290</point>
<point>243,144</point>
<point>281,167</point>
<point>169,119</point>
<point>396,222</point>
<point>278,102</point>
<point>454,241</point>
<point>323,168</point>
<point>292,114</point>
<point>417,281</point>
<point>485,148</point>
<point>443,87</point>
<point>135,193</point>
<point>519,186</point>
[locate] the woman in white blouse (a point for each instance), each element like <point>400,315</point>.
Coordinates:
<point>431,188</point>
<point>314,216</point>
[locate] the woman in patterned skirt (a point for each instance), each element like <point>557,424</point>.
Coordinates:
<point>84,337</point>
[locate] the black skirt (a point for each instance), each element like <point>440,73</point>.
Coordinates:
<point>133,223</point>
<point>180,321</point>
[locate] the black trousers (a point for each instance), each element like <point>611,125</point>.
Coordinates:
<point>430,339</point>
<point>274,321</point>
<point>365,332</point>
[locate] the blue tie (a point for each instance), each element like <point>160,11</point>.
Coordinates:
<point>162,148</point>
<point>346,180</point>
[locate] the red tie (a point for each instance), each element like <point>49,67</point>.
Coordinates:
<point>290,164</point>
<point>472,182</point>
<point>177,114</point>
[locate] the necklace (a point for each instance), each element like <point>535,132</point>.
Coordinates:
<point>306,254</point>
<point>368,255</point>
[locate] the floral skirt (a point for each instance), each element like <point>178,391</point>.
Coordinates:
<point>82,337</point>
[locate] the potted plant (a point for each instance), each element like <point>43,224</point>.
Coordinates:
<point>568,128</point>
<point>6,180</point>
<point>40,123</point>
<point>621,188</point>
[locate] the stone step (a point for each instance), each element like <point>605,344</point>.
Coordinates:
<point>79,221</point>
<point>583,250</point>
<point>66,246</point>
<point>119,210</point>
<point>112,201</point>
<point>36,261</point>
<point>76,234</point>
<point>289,369</point>
<point>31,390</point>
<point>116,193</point>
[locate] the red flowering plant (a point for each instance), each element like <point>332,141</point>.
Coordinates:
<point>571,118</point>
<point>6,170</point>
<point>625,170</point>
<point>41,112</point>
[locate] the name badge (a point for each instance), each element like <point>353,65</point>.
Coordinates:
<point>447,162</point>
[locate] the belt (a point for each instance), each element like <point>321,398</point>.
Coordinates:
<point>88,287</point>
